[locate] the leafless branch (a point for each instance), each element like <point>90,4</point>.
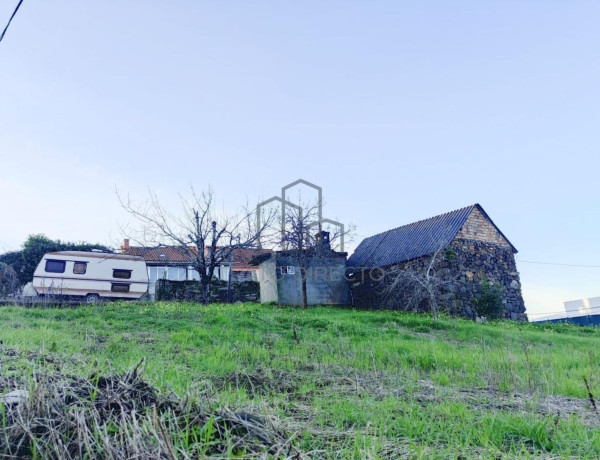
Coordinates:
<point>205,235</point>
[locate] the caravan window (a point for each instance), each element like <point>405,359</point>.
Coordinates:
<point>122,274</point>
<point>119,287</point>
<point>79,268</point>
<point>55,266</point>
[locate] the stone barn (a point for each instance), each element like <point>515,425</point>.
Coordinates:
<point>469,254</point>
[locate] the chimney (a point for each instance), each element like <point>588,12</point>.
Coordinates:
<point>125,246</point>
<point>323,242</point>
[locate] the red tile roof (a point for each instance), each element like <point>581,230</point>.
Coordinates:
<point>242,257</point>
<point>171,254</point>
<point>177,255</point>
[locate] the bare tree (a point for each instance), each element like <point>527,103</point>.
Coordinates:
<point>297,239</point>
<point>204,234</point>
<point>302,237</point>
<point>416,284</point>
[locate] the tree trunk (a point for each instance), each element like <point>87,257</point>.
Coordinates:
<point>206,294</point>
<point>433,302</point>
<point>304,299</point>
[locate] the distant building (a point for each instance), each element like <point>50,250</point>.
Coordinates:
<point>581,307</point>
<point>471,250</point>
<point>584,312</point>
<point>173,263</point>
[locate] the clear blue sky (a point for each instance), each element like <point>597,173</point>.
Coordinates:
<point>400,110</point>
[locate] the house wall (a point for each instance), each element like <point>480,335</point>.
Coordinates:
<point>244,275</point>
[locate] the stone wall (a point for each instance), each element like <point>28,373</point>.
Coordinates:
<point>191,291</point>
<point>478,262</point>
<point>463,268</point>
<point>479,228</point>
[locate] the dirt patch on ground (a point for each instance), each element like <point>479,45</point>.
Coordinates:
<point>334,380</point>
<point>261,381</point>
<point>139,337</point>
<point>491,399</point>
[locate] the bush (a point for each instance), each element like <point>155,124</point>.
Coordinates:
<point>489,304</point>
<point>8,280</point>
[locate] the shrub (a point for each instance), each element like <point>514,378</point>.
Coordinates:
<point>489,303</point>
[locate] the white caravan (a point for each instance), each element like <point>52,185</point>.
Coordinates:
<point>91,275</point>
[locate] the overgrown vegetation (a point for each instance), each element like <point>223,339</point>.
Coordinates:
<point>120,416</point>
<point>489,303</point>
<point>321,382</point>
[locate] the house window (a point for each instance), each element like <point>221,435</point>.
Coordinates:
<point>152,274</point>
<point>122,274</point>
<point>176,273</point>
<point>79,268</point>
<point>55,266</point>
<point>157,273</point>
<point>119,287</point>
<point>288,270</point>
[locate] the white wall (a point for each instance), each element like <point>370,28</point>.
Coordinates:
<point>589,306</point>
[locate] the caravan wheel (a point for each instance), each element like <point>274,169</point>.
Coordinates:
<point>92,298</point>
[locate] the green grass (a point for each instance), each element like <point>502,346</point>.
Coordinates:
<point>356,383</point>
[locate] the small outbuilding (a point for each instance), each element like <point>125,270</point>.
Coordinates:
<point>468,251</point>
<point>280,276</point>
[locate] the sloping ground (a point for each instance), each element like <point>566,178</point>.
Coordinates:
<point>254,380</point>
<point>120,416</point>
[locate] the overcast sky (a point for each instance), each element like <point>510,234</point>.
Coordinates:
<point>399,110</point>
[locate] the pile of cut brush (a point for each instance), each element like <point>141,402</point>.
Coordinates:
<point>121,416</point>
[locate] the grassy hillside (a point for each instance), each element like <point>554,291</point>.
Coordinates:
<point>340,383</point>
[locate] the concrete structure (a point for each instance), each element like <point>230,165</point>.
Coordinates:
<point>470,252</point>
<point>281,279</point>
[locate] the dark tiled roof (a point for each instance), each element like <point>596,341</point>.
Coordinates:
<point>258,258</point>
<point>413,240</point>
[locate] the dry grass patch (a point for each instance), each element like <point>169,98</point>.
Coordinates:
<point>56,416</point>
